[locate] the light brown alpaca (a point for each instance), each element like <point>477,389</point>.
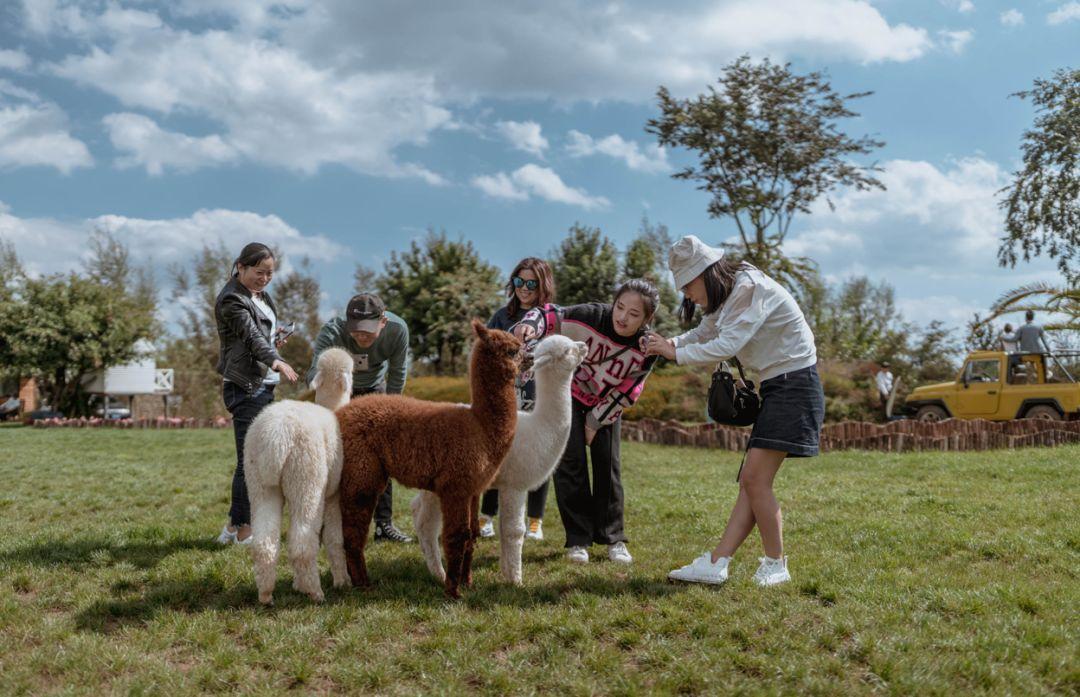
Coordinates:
<point>452,450</point>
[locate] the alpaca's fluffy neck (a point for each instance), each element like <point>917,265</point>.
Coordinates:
<point>493,401</point>
<point>552,387</point>
<point>332,399</point>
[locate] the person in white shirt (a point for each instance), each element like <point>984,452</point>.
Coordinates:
<point>1009,344</point>
<point>749,316</point>
<point>884,381</point>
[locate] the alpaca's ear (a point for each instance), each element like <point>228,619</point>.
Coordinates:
<point>479,329</point>
<point>316,381</point>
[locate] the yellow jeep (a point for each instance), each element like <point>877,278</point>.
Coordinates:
<point>1031,389</point>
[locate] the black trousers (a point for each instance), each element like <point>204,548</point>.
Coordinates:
<point>244,408</point>
<point>590,514</point>
<point>534,507</point>
<point>384,507</point>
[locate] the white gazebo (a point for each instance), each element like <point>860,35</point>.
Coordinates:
<point>139,377</point>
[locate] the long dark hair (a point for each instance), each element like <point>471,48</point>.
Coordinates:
<point>719,280</point>
<point>648,292</point>
<point>251,255</point>
<point>545,291</point>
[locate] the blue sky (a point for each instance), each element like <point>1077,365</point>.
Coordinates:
<point>340,130</point>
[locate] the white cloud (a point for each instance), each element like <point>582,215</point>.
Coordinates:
<point>542,182</point>
<point>274,107</point>
<point>499,185</point>
<point>34,132</point>
<point>1066,13</point>
<point>933,234</point>
<point>1012,18</point>
<point>956,41</point>
<point>149,146</point>
<point>822,240</point>
<point>961,6</point>
<point>13,60</point>
<point>524,136</point>
<point>48,245</point>
<point>649,159</point>
<point>620,51</point>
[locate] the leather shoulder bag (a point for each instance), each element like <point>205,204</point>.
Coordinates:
<point>730,402</point>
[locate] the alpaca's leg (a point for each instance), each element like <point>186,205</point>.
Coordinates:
<point>357,508</point>
<point>456,534</point>
<point>470,544</point>
<point>332,540</point>
<point>511,532</point>
<point>427,522</point>
<point>266,539</point>
<point>306,517</point>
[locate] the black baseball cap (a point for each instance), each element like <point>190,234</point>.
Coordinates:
<point>364,313</point>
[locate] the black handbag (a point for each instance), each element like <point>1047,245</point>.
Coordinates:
<point>732,403</point>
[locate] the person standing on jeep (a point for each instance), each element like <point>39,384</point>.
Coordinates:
<point>1031,335</point>
<point>378,341</point>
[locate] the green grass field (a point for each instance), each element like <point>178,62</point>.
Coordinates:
<point>913,574</point>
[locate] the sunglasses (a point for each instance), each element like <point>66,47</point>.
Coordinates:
<point>531,284</point>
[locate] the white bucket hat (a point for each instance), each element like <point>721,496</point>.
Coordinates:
<point>689,257</point>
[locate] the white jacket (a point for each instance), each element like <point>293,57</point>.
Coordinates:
<point>760,323</point>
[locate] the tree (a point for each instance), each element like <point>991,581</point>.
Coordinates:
<point>110,264</point>
<point>63,328</point>
<point>364,279</point>
<point>769,145</point>
<point>1042,205</point>
<point>932,356</point>
<point>585,266</point>
<point>646,257</point>
<point>297,297</point>
<point>193,353</point>
<point>1057,301</point>
<point>981,335</point>
<point>859,321</point>
<point>438,287</point>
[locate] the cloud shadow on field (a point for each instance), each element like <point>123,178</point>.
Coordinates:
<point>79,553</point>
<point>393,581</point>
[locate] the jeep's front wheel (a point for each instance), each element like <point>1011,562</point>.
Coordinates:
<point>1044,412</point>
<point>931,413</point>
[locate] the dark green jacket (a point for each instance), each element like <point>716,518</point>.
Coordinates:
<point>385,360</point>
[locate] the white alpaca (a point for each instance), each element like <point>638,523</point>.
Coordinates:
<point>539,441</point>
<point>293,453</point>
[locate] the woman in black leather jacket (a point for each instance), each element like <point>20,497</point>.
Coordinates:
<point>249,363</point>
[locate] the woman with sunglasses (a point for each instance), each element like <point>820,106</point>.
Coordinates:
<point>531,285</point>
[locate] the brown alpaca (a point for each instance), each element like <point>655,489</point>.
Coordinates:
<point>452,450</point>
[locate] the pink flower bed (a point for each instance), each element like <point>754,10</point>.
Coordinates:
<point>159,422</point>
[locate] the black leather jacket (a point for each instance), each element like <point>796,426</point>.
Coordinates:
<point>246,349</point>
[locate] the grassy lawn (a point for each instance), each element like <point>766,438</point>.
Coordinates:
<point>919,573</point>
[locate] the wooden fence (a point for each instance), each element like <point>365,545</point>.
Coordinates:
<point>896,436</point>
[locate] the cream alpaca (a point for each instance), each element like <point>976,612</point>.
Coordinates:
<point>293,453</point>
<point>539,442</point>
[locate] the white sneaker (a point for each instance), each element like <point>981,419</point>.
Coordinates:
<point>772,572</point>
<point>487,526</point>
<point>703,570</point>
<point>618,553</point>
<point>578,555</point>
<point>536,529</point>
<point>226,537</point>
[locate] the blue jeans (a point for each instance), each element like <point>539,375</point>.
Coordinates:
<point>244,408</point>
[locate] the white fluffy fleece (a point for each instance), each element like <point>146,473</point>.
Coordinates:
<point>293,453</point>
<point>539,442</point>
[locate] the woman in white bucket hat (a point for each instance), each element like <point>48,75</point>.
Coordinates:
<point>752,317</point>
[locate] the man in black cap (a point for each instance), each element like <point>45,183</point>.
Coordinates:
<point>379,343</point>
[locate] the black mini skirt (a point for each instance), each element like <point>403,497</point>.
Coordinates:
<point>792,411</point>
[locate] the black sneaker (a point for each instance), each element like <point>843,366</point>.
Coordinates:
<point>387,531</point>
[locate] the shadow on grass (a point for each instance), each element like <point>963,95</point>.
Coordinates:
<point>78,553</point>
<point>394,581</point>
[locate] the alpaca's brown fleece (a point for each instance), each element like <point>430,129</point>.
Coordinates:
<point>452,450</point>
